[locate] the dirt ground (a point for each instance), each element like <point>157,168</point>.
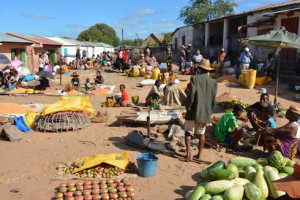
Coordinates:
<point>30,163</point>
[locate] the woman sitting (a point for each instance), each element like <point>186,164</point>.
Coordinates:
<point>75,83</point>
<point>285,138</point>
<point>154,93</point>
<point>148,69</point>
<point>174,96</point>
<point>44,84</point>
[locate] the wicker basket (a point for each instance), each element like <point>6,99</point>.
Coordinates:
<point>62,121</point>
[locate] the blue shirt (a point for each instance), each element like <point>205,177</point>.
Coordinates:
<point>245,58</point>
<point>272,122</point>
<point>161,66</point>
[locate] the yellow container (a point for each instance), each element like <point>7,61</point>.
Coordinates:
<point>244,75</point>
<point>260,81</point>
<point>250,78</point>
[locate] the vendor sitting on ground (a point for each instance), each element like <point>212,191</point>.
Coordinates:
<point>174,96</point>
<point>88,86</point>
<point>154,93</point>
<point>227,129</point>
<point>75,83</point>
<point>99,79</point>
<point>148,69</point>
<point>135,72</point>
<point>44,84</point>
<point>124,100</point>
<point>13,79</point>
<point>254,112</point>
<point>285,139</point>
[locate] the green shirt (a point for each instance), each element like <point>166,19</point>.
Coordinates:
<point>226,124</point>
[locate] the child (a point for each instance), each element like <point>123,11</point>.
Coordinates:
<point>227,129</point>
<point>99,79</point>
<point>124,100</point>
<point>87,85</point>
<point>261,139</point>
<point>75,81</point>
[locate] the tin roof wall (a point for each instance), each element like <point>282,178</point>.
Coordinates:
<point>11,39</point>
<point>78,42</point>
<point>105,45</point>
<point>62,41</point>
<point>94,44</point>
<point>40,39</point>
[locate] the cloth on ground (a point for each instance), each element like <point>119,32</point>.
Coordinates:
<point>21,125</point>
<point>174,96</point>
<point>176,133</point>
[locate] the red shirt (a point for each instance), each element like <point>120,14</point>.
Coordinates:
<point>125,96</point>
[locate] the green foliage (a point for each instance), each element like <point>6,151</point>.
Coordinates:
<point>205,10</point>
<point>100,33</point>
<point>135,42</point>
<point>167,37</point>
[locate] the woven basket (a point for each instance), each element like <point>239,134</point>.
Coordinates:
<point>62,121</point>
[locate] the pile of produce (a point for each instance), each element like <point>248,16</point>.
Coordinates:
<point>100,91</point>
<point>226,97</point>
<point>230,105</point>
<point>104,189</point>
<point>242,178</point>
<point>17,91</point>
<point>102,171</point>
<point>9,108</point>
<point>73,93</point>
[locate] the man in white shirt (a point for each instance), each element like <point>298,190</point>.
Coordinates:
<point>41,62</point>
<point>46,58</point>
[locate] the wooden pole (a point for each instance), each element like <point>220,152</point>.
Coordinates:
<point>277,80</point>
<point>148,124</point>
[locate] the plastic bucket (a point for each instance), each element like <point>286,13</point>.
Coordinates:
<point>135,99</point>
<point>147,164</point>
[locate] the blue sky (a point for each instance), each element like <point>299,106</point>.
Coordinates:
<point>70,17</point>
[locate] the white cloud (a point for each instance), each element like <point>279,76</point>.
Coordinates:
<point>146,11</point>
<point>177,7</point>
<point>252,4</point>
<point>163,25</point>
<point>35,16</point>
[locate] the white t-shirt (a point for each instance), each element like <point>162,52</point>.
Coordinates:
<point>197,58</point>
<point>41,63</point>
<point>149,68</point>
<point>120,54</point>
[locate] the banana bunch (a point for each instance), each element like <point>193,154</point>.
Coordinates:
<point>230,105</point>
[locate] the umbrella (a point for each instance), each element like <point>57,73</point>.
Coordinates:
<point>45,74</point>
<point>276,39</point>
<point>4,59</point>
<point>15,64</point>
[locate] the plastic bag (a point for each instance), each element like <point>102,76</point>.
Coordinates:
<point>30,118</point>
<point>70,103</point>
<point>117,160</point>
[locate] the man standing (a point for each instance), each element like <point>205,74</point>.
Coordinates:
<point>181,58</point>
<point>120,58</point>
<point>200,104</point>
<point>245,59</point>
<point>212,54</point>
<point>78,59</point>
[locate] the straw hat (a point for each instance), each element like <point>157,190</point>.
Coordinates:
<point>182,46</point>
<point>294,109</point>
<point>75,74</point>
<point>205,64</point>
<point>291,183</point>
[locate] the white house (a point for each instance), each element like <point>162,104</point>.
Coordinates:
<point>107,47</point>
<point>68,49</point>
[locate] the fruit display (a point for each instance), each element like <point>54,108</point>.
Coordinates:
<point>98,189</point>
<point>230,105</point>
<point>102,171</point>
<point>242,178</point>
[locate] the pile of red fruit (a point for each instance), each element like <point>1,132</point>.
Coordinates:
<point>93,190</point>
<point>102,171</point>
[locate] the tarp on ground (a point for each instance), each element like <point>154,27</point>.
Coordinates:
<point>70,103</point>
<point>117,160</point>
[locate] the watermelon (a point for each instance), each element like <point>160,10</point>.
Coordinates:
<point>277,160</point>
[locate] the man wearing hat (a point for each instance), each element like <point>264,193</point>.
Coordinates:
<point>199,105</point>
<point>245,59</point>
<point>181,57</point>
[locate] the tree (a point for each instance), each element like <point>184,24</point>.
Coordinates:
<point>137,42</point>
<point>167,37</point>
<point>204,10</point>
<point>100,33</point>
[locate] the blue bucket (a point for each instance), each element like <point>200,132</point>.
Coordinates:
<point>147,164</point>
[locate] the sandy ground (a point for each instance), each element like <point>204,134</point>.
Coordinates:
<point>30,163</point>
